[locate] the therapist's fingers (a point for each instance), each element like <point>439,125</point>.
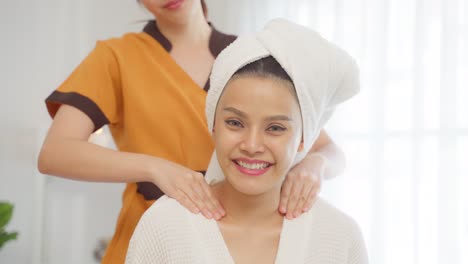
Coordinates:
<point>311,197</point>
<point>284,197</point>
<point>212,202</point>
<point>197,194</point>
<point>294,196</point>
<point>315,180</point>
<point>192,194</point>
<point>186,202</point>
<point>302,200</point>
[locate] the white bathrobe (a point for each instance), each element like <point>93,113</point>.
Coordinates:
<point>169,233</point>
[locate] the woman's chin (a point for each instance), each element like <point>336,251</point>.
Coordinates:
<point>251,185</point>
<point>251,188</point>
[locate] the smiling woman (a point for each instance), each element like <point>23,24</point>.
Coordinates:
<point>253,139</point>
<point>255,145</point>
<point>266,106</point>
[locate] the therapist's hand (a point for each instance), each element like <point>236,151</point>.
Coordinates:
<point>188,187</point>
<point>301,186</point>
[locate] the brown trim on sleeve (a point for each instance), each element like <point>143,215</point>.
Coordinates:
<point>151,191</point>
<point>83,103</point>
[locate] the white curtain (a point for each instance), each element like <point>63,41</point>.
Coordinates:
<point>406,134</point>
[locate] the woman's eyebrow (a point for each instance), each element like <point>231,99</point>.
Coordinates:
<point>235,111</point>
<point>279,118</point>
<point>270,118</point>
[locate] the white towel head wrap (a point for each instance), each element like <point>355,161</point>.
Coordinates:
<point>323,76</point>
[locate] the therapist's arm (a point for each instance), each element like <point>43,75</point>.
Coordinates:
<point>333,157</point>
<point>303,182</point>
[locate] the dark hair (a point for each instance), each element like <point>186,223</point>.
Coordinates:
<point>203,5</point>
<point>265,67</point>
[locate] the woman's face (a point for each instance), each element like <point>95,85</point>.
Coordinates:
<point>175,11</point>
<point>257,133</point>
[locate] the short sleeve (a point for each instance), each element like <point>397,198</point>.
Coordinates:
<point>94,87</point>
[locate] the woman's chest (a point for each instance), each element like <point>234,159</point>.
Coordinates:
<point>252,246</point>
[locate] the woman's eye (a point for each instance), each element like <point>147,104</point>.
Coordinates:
<point>276,129</point>
<point>233,123</point>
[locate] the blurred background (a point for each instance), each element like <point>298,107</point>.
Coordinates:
<point>405,135</point>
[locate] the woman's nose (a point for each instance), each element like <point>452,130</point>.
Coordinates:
<point>253,142</point>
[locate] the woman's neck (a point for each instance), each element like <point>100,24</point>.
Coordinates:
<point>193,31</point>
<point>243,209</point>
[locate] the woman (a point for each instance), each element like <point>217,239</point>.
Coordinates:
<point>148,88</point>
<point>299,78</point>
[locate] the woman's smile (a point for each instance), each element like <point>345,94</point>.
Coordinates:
<point>252,167</point>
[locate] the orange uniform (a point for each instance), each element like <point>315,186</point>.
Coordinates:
<point>151,106</point>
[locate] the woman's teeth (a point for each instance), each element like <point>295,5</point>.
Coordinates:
<point>253,166</point>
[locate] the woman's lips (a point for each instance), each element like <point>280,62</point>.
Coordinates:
<point>174,4</point>
<point>252,167</point>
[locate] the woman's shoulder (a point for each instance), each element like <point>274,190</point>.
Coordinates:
<point>335,232</point>
<point>327,217</point>
<point>166,220</point>
<point>163,235</point>
<point>166,209</point>
<point>132,41</point>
